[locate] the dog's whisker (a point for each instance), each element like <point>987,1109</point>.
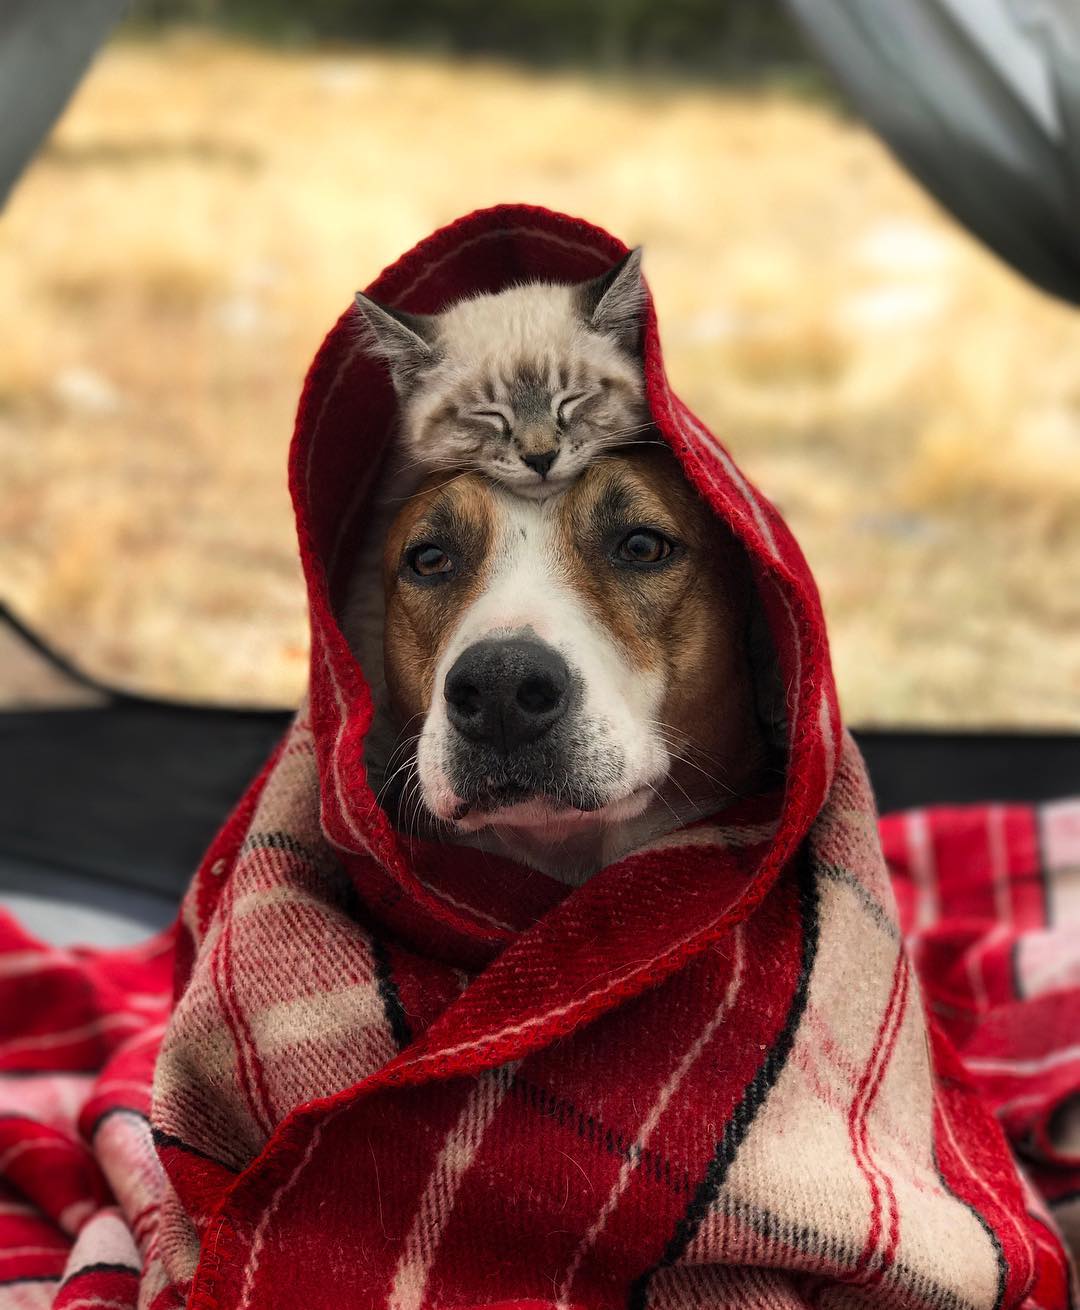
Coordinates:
<point>410,763</point>
<point>418,806</point>
<point>388,769</point>
<point>681,758</point>
<point>665,802</point>
<point>400,745</point>
<point>673,737</point>
<point>685,794</point>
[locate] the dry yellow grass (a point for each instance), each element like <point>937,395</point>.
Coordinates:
<point>204,211</point>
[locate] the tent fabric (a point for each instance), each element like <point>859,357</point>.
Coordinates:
<point>45,47</point>
<point>981,102</point>
<point>405,1074</point>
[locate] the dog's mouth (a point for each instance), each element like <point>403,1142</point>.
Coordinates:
<point>521,739</point>
<point>538,811</point>
<point>568,776</point>
<point>490,799</point>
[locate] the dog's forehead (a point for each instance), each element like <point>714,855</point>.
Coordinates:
<point>642,486</point>
<point>463,502</point>
<point>634,485</point>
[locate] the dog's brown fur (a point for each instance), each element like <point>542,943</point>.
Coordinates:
<point>419,623</point>
<point>687,620</point>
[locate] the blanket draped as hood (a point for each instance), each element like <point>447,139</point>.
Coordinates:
<point>396,1074</point>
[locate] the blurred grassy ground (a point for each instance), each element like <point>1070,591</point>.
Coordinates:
<point>170,263</point>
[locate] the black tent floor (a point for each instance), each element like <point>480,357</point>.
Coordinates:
<point>107,805</point>
<point>69,908</point>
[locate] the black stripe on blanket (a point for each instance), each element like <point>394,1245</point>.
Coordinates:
<point>102,1267</point>
<point>784,1230</point>
<point>168,1140</point>
<point>754,1097</point>
<point>390,996</point>
<point>281,841</point>
<point>159,1137</point>
<point>984,1224</point>
<point>651,1166</point>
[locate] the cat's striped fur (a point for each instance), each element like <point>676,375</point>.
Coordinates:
<point>526,385</point>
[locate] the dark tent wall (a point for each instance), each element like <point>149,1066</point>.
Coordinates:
<point>45,47</point>
<point>980,100</point>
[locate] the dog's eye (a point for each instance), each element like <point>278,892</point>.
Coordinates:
<point>643,546</point>
<point>498,419</point>
<point>428,561</point>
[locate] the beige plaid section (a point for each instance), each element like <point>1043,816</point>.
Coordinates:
<point>283,1003</point>
<point>838,1169</point>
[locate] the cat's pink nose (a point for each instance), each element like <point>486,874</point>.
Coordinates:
<point>541,462</point>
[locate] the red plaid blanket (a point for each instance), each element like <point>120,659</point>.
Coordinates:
<point>390,1074</point>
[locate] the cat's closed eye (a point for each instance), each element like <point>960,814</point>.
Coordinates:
<point>564,404</point>
<point>500,419</point>
<point>527,384</point>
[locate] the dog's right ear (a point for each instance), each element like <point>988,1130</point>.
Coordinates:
<point>404,340</point>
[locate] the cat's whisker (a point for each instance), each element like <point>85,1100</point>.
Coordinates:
<point>629,431</point>
<point>404,500</point>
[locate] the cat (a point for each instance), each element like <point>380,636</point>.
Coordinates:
<point>526,385</point>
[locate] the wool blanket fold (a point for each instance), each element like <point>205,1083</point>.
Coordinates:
<point>733,1069</point>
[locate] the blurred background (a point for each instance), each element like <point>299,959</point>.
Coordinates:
<point>227,175</point>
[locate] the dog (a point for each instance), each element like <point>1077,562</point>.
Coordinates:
<point>579,667</point>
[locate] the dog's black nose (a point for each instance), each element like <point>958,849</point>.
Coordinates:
<point>508,693</point>
<point>542,462</point>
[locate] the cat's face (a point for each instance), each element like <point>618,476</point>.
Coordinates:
<point>525,386</point>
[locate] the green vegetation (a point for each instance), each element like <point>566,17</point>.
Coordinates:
<point>722,36</point>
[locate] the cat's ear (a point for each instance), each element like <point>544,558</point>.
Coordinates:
<point>405,341</point>
<point>612,303</point>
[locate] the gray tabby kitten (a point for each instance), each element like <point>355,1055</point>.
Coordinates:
<point>525,385</point>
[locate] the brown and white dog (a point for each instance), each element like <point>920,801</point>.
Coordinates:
<point>571,676</point>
